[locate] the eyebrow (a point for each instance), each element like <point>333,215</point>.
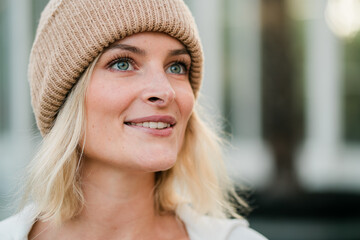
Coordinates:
<point>127,48</point>
<point>177,52</point>
<point>139,51</point>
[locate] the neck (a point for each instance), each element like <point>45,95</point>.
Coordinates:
<point>115,199</point>
<point>118,205</point>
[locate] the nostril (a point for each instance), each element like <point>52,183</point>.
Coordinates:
<point>154,99</point>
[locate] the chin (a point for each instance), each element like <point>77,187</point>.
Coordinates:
<point>158,164</point>
<point>156,158</point>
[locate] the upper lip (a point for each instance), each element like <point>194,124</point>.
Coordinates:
<point>154,118</point>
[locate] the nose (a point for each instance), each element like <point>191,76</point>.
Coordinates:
<point>158,90</point>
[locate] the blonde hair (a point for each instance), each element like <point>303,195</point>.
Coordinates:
<point>198,177</point>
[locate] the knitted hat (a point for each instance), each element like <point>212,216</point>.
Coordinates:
<point>72,33</point>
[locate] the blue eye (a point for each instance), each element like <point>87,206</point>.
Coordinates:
<point>177,68</point>
<point>123,65</point>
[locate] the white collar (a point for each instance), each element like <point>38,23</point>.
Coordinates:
<point>18,226</point>
<point>202,227</point>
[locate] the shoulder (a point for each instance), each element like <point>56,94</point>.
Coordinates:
<point>210,228</point>
<point>18,226</point>
<point>247,233</point>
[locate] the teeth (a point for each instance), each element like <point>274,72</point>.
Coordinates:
<point>155,125</point>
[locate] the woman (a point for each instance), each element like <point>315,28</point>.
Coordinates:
<point>124,154</point>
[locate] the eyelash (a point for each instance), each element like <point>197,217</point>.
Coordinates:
<point>183,63</point>
<point>118,58</point>
<point>121,58</point>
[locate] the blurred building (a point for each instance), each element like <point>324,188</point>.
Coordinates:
<point>282,77</point>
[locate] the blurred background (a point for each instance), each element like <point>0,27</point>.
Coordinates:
<point>283,77</point>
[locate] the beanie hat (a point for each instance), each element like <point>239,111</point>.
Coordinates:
<point>72,33</point>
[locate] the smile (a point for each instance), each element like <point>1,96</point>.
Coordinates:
<point>154,125</point>
<point>160,122</point>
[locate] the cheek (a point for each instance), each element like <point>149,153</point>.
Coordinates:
<point>105,105</point>
<point>107,96</point>
<point>186,101</point>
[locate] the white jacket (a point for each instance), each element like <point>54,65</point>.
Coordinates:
<point>198,227</point>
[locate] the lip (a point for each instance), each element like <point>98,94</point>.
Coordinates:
<point>154,118</point>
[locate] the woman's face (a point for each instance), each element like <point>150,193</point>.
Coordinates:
<point>138,103</point>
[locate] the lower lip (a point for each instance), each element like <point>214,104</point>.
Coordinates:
<point>154,131</point>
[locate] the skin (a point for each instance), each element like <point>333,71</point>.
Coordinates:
<point>144,75</point>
